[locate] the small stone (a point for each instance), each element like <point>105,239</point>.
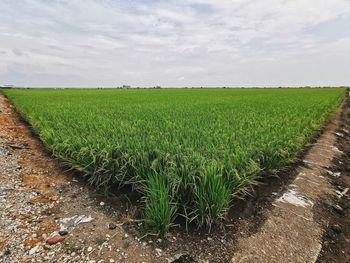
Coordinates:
<point>89,249</point>
<point>55,198</point>
<point>184,258</point>
<point>338,209</point>
<point>102,204</point>
<point>209,239</point>
<point>17,146</point>
<point>63,232</point>
<point>111,260</point>
<point>54,240</point>
<point>339,134</point>
<point>337,229</point>
<point>112,226</point>
<point>33,250</point>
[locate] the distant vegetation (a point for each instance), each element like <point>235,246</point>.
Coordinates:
<point>188,151</point>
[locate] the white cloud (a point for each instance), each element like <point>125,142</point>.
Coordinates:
<point>171,43</point>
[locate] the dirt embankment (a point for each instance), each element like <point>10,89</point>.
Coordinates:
<point>336,239</point>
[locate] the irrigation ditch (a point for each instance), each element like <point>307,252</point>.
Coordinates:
<point>298,216</point>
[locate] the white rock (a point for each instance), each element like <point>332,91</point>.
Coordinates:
<point>33,250</point>
<point>89,249</point>
<point>294,198</point>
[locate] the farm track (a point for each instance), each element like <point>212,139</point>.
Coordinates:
<point>336,239</point>
<point>36,194</point>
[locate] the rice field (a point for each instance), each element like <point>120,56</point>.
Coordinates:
<point>188,152</point>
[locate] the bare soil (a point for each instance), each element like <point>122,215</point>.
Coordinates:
<point>336,239</point>
<point>44,193</point>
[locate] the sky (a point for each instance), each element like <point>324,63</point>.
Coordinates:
<point>106,43</point>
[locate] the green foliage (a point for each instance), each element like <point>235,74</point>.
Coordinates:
<point>196,148</point>
<point>212,196</point>
<point>159,210</point>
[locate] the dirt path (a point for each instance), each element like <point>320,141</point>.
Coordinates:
<point>336,239</point>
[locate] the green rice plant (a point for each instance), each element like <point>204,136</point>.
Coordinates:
<point>159,209</point>
<point>212,196</point>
